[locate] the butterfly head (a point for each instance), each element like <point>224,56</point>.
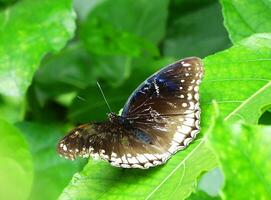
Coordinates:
<point>73,144</point>
<point>119,120</point>
<point>113,117</point>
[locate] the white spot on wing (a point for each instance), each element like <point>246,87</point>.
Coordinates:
<point>179,137</point>
<point>125,165</point>
<point>65,147</point>
<point>132,160</point>
<point>189,122</point>
<point>113,154</point>
<point>187,141</point>
<point>186,64</point>
<point>196,96</point>
<point>194,133</point>
<point>150,156</point>
<point>184,105</point>
<point>147,165</point>
<point>191,105</point>
<point>141,158</point>
<point>185,129</point>
<point>124,160</point>
<point>189,96</point>
<point>197,114</point>
<point>157,162</point>
<point>137,166</point>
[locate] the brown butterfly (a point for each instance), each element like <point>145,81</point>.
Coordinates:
<point>161,117</point>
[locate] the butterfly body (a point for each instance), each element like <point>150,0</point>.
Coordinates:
<point>161,117</point>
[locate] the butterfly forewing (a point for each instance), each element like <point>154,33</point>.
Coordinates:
<point>169,91</point>
<point>164,117</point>
<point>169,108</point>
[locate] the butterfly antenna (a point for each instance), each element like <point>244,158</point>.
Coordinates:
<point>81,98</point>
<point>104,96</point>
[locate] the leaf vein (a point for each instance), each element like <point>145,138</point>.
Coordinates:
<point>177,167</point>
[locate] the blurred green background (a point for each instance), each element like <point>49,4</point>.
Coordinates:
<point>119,44</point>
<point>52,53</point>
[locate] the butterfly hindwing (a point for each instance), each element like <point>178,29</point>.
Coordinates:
<point>115,144</point>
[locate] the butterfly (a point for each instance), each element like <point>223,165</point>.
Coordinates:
<point>161,117</point>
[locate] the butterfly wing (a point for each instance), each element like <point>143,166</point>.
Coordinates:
<point>167,91</point>
<point>113,143</point>
<point>164,112</point>
<point>166,105</point>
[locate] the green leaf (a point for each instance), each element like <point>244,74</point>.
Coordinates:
<point>245,18</point>
<point>239,80</point>
<point>12,109</point>
<point>100,180</point>
<point>244,152</point>
<point>202,196</point>
<point>73,69</point>
<point>16,170</point>
<point>4,3</point>
<point>116,32</point>
<point>241,93</point>
<point>52,173</point>
<point>22,45</point>
<point>83,7</point>
<point>200,32</point>
<point>132,17</point>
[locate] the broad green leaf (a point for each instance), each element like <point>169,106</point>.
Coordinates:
<point>52,173</point>
<point>132,17</point>
<point>244,152</point>
<point>16,170</point>
<point>83,7</point>
<point>25,37</point>
<point>200,195</point>
<point>116,32</point>
<point>4,3</point>
<point>74,72</point>
<point>12,109</point>
<point>100,180</point>
<point>245,18</point>
<point>41,108</point>
<point>200,32</point>
<point>182,7</point>
<point>237,78</point>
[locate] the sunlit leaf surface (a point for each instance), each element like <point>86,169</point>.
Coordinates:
<point>16,169</point>
<point>23,45</point>
<point>51,171</point>
<point>244,152</point>
<point>245,18</point>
